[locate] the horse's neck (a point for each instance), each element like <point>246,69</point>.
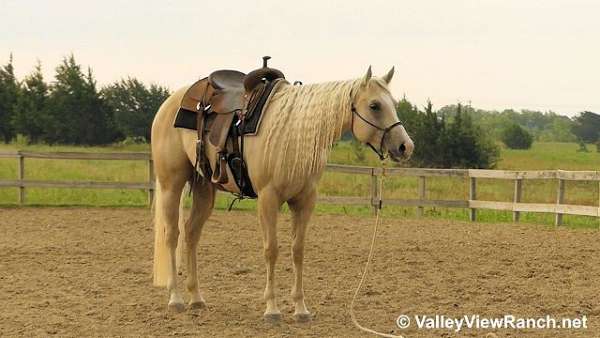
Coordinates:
<point>339,109</point>
<point>306,123</point>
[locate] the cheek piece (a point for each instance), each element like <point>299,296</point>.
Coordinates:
<point>384,131</point>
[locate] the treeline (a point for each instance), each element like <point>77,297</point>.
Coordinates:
<point>72,109</point>
<point>460,136</point>
<point>543,126</point>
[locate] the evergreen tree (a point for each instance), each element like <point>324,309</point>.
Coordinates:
<point>134,106</point>
<point>408,114</point>
<point>9,91</point>
<point>587,127</point>
<point>448,139</point>
<point>428,133</point>
<point>77,113</point>
<point>30,111</point>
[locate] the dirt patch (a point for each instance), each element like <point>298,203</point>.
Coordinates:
<point>87,272</point>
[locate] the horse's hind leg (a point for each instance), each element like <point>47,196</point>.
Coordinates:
<point>301,208</point>
<point>203,202</point>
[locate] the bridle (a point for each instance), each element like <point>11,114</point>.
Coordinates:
<point>379,151</point>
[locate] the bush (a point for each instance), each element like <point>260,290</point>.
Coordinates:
<point>516,137</point>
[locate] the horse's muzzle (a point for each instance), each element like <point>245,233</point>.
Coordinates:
<point>403,152</point>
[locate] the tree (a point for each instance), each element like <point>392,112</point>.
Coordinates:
<point>30,111</point>
<point>558,131</point>
<point>77,113</point>
<point>9,91</point>
<point>447,139</point>
<point>587,127</point>
<point>428,133</point>
<point>134,105</point>
<point>465,145</point>
<point>516,137</point>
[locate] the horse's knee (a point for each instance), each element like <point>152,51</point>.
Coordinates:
<point>271,251</point>
<point>298,253</point>
<point>191,283</point>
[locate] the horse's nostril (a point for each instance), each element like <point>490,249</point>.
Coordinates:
<point>402,148</point>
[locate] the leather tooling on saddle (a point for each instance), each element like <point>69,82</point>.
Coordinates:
<point>224,108</point>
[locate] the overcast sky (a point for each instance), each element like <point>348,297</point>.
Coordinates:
<point>496,54</point>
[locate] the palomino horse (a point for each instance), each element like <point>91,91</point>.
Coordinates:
<point>289,153</point>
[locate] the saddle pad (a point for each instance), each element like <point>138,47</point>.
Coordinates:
<point>186,119</point>
<point>254,117</point>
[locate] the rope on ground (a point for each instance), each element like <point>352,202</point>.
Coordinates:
<point>366,269</point>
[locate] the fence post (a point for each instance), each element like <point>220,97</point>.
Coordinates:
<point>517,198</point>
<point>560,199</point>
<point>473,196</point>
<point>21,177</point>
<point>422,187</point>
<point>150,182</point>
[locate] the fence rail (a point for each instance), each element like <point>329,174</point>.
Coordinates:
<point>374,198</point>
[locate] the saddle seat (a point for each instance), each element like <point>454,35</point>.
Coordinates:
<point>234,90</point>
<point>226,79</point>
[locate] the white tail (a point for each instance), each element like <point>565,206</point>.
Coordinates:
<point>161,261</point>
<point>180,254</point>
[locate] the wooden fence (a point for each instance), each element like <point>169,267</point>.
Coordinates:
<point>374,198</point>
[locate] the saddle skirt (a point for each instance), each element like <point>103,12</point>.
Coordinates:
<point>224,108</point>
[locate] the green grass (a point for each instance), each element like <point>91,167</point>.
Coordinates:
<point>540,156</point>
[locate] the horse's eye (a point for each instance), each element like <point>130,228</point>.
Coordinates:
<point>374,106</point>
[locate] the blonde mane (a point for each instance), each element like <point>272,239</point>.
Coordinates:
<point>306,121</point>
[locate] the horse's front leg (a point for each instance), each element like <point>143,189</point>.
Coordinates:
<point>268,207</point>
<point>167,212</point>
<point>302,208</point>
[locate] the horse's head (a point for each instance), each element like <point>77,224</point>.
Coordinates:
<point>374,118</point>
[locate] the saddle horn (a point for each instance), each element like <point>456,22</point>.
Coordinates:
<point>265,60</point>
<point>255,77</point>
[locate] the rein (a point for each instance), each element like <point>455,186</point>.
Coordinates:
<point>386,130</point>
<point>366,270</point>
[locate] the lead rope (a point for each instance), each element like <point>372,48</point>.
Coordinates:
<point>366,270</point>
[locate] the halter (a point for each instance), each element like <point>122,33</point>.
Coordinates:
<point>379,151</point>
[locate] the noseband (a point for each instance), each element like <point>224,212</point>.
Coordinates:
<point>379,151</point>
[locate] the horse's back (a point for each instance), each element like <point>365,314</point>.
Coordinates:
<point>167,110</point>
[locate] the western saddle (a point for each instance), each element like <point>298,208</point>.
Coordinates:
<point>225,106</point>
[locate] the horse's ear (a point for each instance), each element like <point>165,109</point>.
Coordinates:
<point>367,77</point>
<point>388,77</point>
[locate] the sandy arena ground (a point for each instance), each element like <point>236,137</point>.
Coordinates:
<point>87,272</point>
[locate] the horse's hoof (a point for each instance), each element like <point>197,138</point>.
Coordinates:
<point>272,318</point>
<point>197,305</point>
<point>176,307</point>
<point>302,317</point>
